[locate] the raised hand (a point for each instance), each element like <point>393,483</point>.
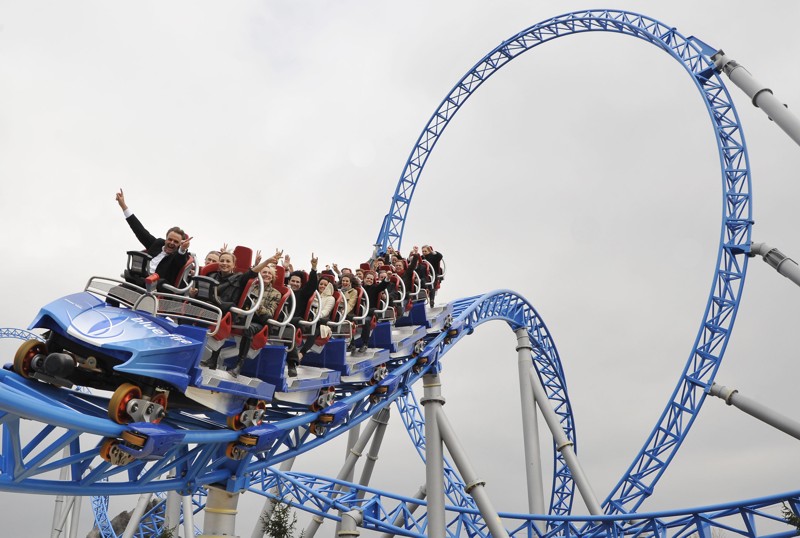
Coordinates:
<point>120,196</point>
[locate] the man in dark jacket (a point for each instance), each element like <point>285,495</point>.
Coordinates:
<point>169,255</point>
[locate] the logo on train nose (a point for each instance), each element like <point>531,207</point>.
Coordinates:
<point>96,324</point>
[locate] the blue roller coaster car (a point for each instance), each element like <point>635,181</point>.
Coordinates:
<point>143,345</point>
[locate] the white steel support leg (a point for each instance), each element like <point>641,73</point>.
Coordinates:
<point>757,410</point>
<point>564,445</point>
<point>350,523</point>
<point>777,260</point>
<point>74,520</point>
<point>530,428</point>
<point>382,418</point>
<point>188,516</point>
<point>400,519</point>
<point>761,96</point>
<point>474,485</point>
<point>269,504</point>
<point>221,510</point>
<point>433,401</point>
<point>172,511</point>
<point>58,526</point>
<point>136,516</point>
<point>347,469</point>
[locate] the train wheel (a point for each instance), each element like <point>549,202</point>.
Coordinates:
<point>160,398</point>
<point>248,440</point>
<point>118,407</point>
<point>235,422</point>
<point>25,354</point>
<point>106,447</point>
<point>234,452</point>
<point>134,439</point>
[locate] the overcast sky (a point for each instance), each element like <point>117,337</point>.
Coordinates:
<point>584,175</point>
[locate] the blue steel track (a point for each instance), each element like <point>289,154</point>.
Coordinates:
<point>55,419</point>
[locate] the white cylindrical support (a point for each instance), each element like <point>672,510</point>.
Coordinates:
<point>56,528</point>
<point>400,519</point>
<point>778,260</point>
<point>350,523</point>
<point>172,511</point>
<point>564,445</point>
<point>220,513</point>
<point>382,419</point>
<point>75,518</point>
<point>433,401</point>
<point>352,438</point>
<point>530,428</point>
<point>760,95</point>
<point>474,485</point>
<point>58,525</point>
<point>757,410</point>
<point>188,516</point>
<point>136,516</point>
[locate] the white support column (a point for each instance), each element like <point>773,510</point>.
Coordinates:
<point>474,485</point>
<point>220,513</point>
<point>777,260</point>
<point>188,516</point>
<point>760,95</point>
<point>58,525</point>
<point>433,401</point>
<point>56,528</point>
<point>757,410</point>
<point>136,516</point>
<point>564,445</point>
<point>172,511</point>
<point>75,519</point>
<point>382,418</point>
<point>347,470</point>
<point>530,428</point>
<point>350,523</point>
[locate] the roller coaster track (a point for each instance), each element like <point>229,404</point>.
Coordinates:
<point>57,419</point>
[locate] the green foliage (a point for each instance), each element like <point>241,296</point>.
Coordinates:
<point>791,517</point>
<point>167,532</point>
<point>281,522</point>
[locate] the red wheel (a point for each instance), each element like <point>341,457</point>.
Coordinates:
<point>118,407</point>
<point>25,354</point>
<point>160,398</point>
<point>235,422</point>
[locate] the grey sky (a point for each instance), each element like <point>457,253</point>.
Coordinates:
<point>584,176</point>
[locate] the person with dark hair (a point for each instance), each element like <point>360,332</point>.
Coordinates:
<point>302,295</point>
<point>435,259</point>
<point>169,255</point>
<point>373,290</point>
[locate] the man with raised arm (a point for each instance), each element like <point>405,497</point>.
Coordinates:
<point>169,255</point>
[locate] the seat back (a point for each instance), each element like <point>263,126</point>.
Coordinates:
<point>244,258</point>
<point>183,281</point>
<point>208,269</point>
<point>137,268</point>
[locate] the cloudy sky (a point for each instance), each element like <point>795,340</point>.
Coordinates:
<point>584,175</point>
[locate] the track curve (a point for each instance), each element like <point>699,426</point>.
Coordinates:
<point>723,301</point>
